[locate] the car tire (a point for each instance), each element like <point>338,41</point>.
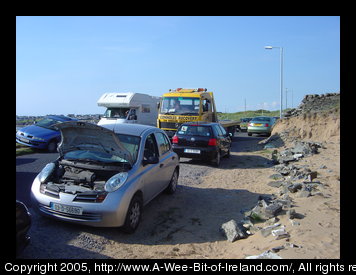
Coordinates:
<point>228,153</point>
<point>133,215</point>
<point>216,160</point>
<point>249,134</point>
<point>172,187</point>
<point>52,146</point>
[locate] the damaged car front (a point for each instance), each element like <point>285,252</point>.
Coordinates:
<point>86,184</point>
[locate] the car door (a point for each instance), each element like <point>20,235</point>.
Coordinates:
<point>166,158</point>
<point>151,173</point>
<point>224,139</point>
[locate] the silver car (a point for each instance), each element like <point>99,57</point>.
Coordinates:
<point>103,177</point>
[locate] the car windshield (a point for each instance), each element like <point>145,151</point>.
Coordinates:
<point>47,123</point>
<point>116,112</point>
<point>180,105</point>
<point>195,130</point>
<point>130,143</point>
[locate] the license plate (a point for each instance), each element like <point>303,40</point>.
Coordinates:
<point>257,124</point>
<point>192,151</point>
<point>66,208</point>
<point>24,139</point>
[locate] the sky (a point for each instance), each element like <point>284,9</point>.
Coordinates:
<point>65,63</point>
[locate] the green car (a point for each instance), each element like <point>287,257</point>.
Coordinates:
<point>261,125</point>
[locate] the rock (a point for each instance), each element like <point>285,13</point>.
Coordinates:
<point>276,183</point>
<point>276,176</point>
<point>280,233</point>
<point>266,231</point>
<point>232,231</point>
<point>291,214</point>
<point>312,175</point>
<point>277,248</point>
<point>272,210</point>
<point>265,255</point>
<point>295,187</point>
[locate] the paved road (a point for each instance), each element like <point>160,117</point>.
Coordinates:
<point>27,168</point>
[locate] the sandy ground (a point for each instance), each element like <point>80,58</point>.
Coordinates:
<point>186,224</point>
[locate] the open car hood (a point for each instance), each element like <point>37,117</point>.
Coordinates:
<point>83,135</point>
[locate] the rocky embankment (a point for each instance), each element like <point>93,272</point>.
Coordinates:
<point>304,184</point>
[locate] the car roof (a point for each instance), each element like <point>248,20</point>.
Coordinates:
<point>128,128</point>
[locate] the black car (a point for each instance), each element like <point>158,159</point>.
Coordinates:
<point>23,224</point>
<point>202,140</point>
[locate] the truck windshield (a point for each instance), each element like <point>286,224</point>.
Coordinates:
<point>180,105</point>
<point>116,112</point>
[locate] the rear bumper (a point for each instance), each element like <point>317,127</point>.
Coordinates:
<point>205,152</point>
<point>259,130</point>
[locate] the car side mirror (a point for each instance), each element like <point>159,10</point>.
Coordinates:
<point>150,160</point>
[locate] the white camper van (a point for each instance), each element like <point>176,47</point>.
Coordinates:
<point>129,108</point>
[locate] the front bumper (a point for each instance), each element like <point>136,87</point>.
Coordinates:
<point>109,213</point>
<point>32,142</point>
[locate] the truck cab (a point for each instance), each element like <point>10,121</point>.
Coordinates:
<point>183,105</point>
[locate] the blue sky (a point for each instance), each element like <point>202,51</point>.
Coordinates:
<point>64,64</point>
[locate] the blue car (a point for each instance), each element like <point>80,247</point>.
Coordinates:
<point>42,135</point>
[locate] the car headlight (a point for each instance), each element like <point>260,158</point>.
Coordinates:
<point>115,182</point>
<point>46,172</point>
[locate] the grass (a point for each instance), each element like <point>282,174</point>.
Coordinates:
<point>238,115</point>
<point>23,150</point>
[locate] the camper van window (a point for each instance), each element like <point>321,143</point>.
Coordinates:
<point>146,108</point>
<point>116,112</point>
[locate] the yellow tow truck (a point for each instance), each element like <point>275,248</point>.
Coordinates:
<point>185,105</point>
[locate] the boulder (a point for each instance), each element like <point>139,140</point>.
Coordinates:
<point>233,231</point>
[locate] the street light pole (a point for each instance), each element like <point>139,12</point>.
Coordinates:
<point>281,76</point>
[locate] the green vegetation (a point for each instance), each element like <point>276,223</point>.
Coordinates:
<point>23,150</point>
<point>238,115</point>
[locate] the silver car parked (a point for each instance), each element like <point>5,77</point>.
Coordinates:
<point>103,177</point>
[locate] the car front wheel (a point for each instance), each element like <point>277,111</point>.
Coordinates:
<point>133,216</point>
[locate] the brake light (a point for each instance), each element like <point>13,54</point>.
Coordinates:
<point>266,125</point>
<point>212,142</point>
<point>175,139</point>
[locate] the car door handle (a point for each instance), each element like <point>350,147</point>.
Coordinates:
<point>161,165</point>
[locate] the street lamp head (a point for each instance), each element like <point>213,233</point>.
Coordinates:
<point>268,47</point>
